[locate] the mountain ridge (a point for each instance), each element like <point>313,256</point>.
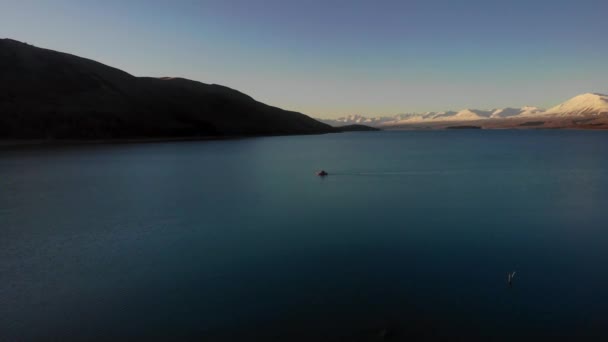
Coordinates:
<point>583,105</point>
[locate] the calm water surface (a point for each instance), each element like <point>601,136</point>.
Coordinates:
<point>412,234</point>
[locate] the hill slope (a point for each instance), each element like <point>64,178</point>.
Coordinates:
<point>48,94</point>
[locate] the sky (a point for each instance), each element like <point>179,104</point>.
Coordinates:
<point>334,58</point>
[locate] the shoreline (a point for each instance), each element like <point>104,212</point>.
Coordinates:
<point>62,142</point>
<point>51,142</point>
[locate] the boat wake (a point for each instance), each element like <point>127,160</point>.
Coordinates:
<point>398,173</point>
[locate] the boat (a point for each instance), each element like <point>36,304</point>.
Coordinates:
<point>322,173</point>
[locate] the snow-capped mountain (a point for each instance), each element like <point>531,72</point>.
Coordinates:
<point>510,112</point>
<point>585,104</point>
<point>471,114</point>
<point>581,105</point>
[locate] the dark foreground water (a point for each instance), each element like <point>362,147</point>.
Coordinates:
<point>411,235</point>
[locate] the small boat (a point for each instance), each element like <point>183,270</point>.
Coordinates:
<point>322,173</point>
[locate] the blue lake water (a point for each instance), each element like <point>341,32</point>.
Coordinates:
<point>411,235</point>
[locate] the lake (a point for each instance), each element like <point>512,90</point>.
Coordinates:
<point>411,235</point>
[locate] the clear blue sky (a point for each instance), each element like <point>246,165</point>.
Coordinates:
<point>331,58</point>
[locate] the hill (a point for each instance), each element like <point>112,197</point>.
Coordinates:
<point>47,94</point>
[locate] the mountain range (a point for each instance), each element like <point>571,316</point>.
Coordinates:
<point>46,94</point>
<point>588,110</point>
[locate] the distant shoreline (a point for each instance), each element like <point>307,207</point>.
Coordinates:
<point>51,142</point>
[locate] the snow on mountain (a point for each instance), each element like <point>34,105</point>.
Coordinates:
<point>439,115</point>
<point>505,112</point>
<point>585,104</point>
<point>511,112</point>
<point>530,110</point>
<point>357,119</point>
<point>470,114</point>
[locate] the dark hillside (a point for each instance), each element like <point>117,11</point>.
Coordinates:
<point>48,94</point>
